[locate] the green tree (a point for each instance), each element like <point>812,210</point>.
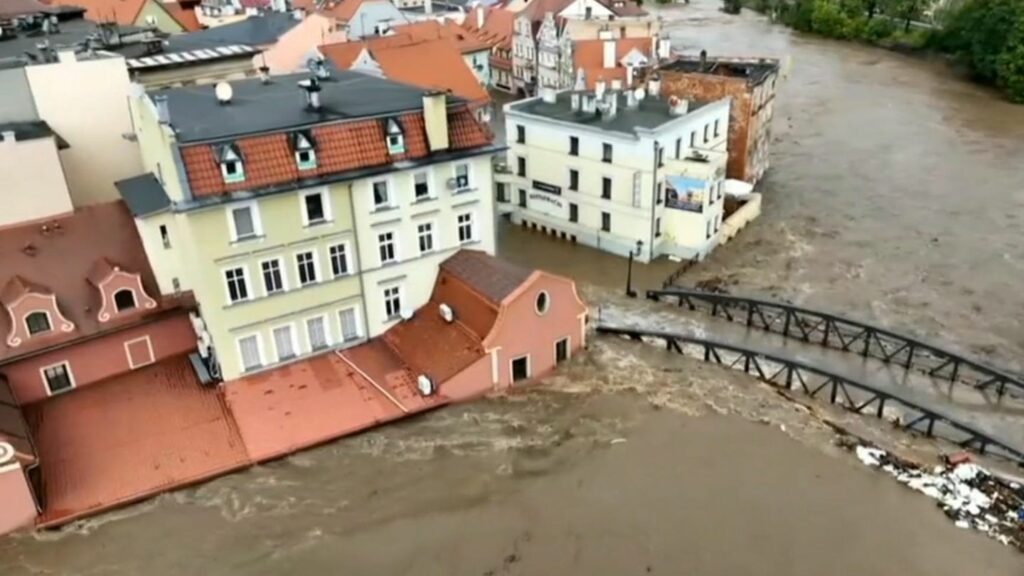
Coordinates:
<point>988,36</point>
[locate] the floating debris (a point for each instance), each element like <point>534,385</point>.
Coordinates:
<point>969,495</point>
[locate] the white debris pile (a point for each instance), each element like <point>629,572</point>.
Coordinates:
<point>966,492</point>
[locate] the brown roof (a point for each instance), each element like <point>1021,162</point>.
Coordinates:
<point>497,28</point>
<point>58,256</point>
<point>120,11</point>
<point>589,55</point>
<point>434,30</point>
<point>341,147</point>
<point>490,277</point>
<point>184,16</point>
<point>431,346</point>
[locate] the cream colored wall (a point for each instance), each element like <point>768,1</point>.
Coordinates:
<point>288,54</point>
<point>156,147</point>
<point>164,22</point>
<point>414,273</point>
<point>223,70</point>
<point>580,29</point>
<point>32,184</point>
<point>86,102</point>
<point>210,251</point>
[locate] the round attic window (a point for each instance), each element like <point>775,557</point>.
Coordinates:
<point>543,302</point>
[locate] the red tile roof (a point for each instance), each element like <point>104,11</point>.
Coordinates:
<point>431,346</point>
<point>131,437</point>
<point>498,26</point>
<point>434,30</point>
<point>57,256</point>
<point>184,16</point>
<point>435,64</point>
<point>589,55</point>
<point>490,277</point>
<point>340,147</point>
<point>124,12</point>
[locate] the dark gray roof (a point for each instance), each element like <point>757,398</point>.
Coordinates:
<point>143,194</point>
<point>753,70</point>
<point>254,30</point>
<point>74,33</point>
<point>650,113</point>
<point>32,130</point>
<point>255,107</point>
<point>491,277</point>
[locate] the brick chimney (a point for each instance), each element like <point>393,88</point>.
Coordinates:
<point>435,119</point>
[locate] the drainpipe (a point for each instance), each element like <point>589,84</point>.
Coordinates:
<point>654,197</point>
<point>359,259</point>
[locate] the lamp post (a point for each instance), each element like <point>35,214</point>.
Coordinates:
<point>629,270</point>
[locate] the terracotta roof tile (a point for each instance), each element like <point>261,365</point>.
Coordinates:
<point>492,278</point>
<point>58,256</point>
<point>184,16</point>
<point>343,11</point>
<point>434,30</point>
<point>589,55</point>
<point>130,437</point>
<point>340,147</point>
<point>433,64</point>
<point>497,28</point>
<point>431,346</point>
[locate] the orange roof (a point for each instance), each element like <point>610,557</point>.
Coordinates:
<point>130,437</point>
<point>431,346</point>
<point>589,55</point>
<point>343,11</point>
<point>497,28</point>
<point>124,12</point>
<point>184,16</point>
<point>58,257</point>
<point>436,64</point>
<point>341,147</point>
<point>434,30</point>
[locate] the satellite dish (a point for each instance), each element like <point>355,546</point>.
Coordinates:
<point>406,314</point>
<point>224,92</point>
<point>6,453</point>
<point>640,94</point>
<point>150,20</point>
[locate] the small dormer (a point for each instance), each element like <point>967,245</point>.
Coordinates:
<point>395,137</point>
<point>232,167</point>
<point>121,292</point>
<point>33,311</point>
<point>304,148</point>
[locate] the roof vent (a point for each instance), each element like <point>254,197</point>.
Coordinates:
<point>312,88</point>
<point>224,92</point>
<point>446,313</point>
<point>425,385</point>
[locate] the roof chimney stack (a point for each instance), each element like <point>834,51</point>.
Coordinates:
<point>703,60</point>
<point>435,120</point>
<point>480,16</point>
<point>599,88</point>
<point>264,74</point>
<point>312,88</point>
<point>8,136</point>
<point>609,54</point>
<point>548,94</point>
<point>654,86</point>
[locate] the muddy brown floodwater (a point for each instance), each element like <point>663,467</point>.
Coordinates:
<point>896,194</point>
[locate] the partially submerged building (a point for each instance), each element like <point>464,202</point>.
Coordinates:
<point>620,169</point>
<point>751,84</point>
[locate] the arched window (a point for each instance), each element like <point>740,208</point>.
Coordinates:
<point>38,322</point>
<point>124,300</point>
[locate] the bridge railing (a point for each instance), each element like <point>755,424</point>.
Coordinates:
<point>855,396</point>
<point>848,335</point>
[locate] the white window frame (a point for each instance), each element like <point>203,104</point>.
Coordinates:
<point>394,244</point>
<point>316,268</point>
<point>512,373</point>
<point>433,236</point>
<point>257,220</point>
<point>341,326</point>
<point>281,268</point>
<point>348,259</point>
<point>49,322</point>
<point>469,175</point>
<point>293,336</point>
<point>325,200</point>
<point>327,332</point>
<point>259,352</point>
<point>67,369</point>
<point>128,355</point>
<point>430,189</point>
<point>568,349</point>
<point>472,227</point>
<point>384,300</point>
<point>245,277</point>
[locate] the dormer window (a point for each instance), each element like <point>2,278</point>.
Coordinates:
<point>231,167</point>
<point>305,151</point>
<point>37,323</point>
<point>396,140</point>
<point>124,300</point>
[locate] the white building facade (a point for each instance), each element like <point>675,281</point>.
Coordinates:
<point>610,170</point>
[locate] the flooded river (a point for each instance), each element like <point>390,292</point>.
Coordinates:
<point>896,194</point>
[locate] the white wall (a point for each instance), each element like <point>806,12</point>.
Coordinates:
<point>86,102</point>
<point>414,273</point>
<point>547,160</point>
<point>32,184</point>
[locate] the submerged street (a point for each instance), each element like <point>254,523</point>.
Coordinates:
<point>896,195</point>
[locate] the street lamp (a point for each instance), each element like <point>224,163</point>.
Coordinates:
<point>629,270</point>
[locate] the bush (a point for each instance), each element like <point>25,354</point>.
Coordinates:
<point>879,29</point>
<point>988,35</point>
